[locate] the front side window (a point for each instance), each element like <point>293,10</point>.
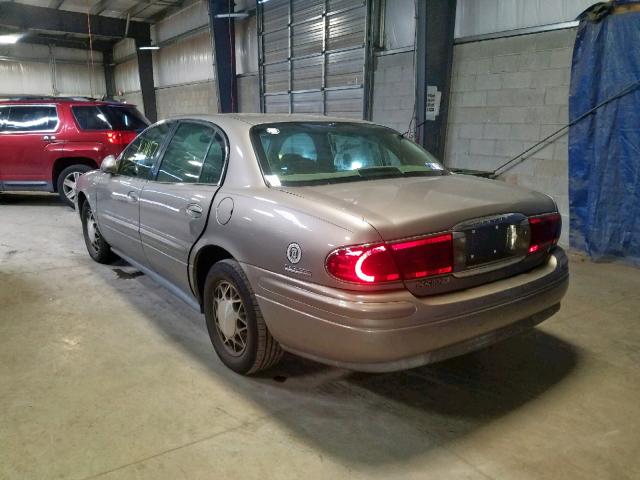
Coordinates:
<point>28,118</point>
<point>138,158</point>
<point>317,153</point>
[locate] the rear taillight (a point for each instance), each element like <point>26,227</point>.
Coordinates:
<point>545,231</point>
<point>388,262</point>
<point>120,138</point>
<point>363,264</point>
<point>424,257</point>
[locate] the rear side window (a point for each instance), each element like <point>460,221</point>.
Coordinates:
<point>109,117</point>
<point>28,118</point>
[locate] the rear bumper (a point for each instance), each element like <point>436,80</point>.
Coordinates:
<point>396,330</point>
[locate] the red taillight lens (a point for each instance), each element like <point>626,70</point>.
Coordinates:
<point>424,257</point>
<point>545,231</point>
<point>363,264</point>
<point>120,138</point>
<point>380,263</point>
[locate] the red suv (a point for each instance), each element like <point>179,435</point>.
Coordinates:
<point>46,143</point>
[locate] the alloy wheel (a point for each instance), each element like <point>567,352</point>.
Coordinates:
<point>230,318</point>
<point>69,185</point>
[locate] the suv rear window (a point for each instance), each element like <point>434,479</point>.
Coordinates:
<point>107,117</point>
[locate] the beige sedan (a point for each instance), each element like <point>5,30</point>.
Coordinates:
<point>337,240</point>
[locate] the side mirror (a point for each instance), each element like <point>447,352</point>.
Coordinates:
<point>109,165</point>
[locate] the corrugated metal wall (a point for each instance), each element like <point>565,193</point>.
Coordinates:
<point>36,69</point>
<point>477,17</point>
<point>312,56</point>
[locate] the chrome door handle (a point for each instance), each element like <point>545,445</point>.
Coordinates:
<point>49,138</point>
<point>194,210</point>
<point>132,197</point>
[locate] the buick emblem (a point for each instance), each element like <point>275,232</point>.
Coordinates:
<point>294,253</point>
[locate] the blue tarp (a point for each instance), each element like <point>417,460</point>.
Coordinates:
<point>604,148</point>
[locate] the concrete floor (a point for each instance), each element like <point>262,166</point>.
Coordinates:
<point>105,375</point>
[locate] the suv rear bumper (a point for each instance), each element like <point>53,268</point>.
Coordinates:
<point>396,330</point>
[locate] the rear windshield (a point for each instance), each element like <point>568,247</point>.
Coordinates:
<point>317,153</point>
<point>109,117</point>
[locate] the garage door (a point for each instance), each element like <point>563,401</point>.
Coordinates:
<point>313,56</point>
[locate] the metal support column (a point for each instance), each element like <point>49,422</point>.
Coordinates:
<point>145,71</point>
<point>223,35</point>
<point>109,73</point>
<point>435,23</point>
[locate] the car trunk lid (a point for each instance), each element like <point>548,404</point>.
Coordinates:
<point>484,216</point>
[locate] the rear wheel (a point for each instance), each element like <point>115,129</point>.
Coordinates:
<point>97,246</point>
<point>67,181</point>
<point>237,330</point>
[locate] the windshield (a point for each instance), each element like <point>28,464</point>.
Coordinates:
<point>318,153</point>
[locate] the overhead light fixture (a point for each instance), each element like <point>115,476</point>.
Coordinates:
<point>150,47</point>
<point>233,15</point>
<point>10,38</point>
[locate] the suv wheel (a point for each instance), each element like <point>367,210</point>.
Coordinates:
<point>67,182</point>
<point>237,330</point>
<point>97,246</point>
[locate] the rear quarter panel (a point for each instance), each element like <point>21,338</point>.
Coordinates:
<point>265,223</point>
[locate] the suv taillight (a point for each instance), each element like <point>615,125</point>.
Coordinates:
<point>388,262</point>
<point>120,138</point>
<point>545,231</point>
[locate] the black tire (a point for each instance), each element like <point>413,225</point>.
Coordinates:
<point>261,350</point>
<point>63,189</point>
<point>99,249</point>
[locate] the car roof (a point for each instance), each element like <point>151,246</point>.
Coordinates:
<point>42,99</point>
<point>262,118</point>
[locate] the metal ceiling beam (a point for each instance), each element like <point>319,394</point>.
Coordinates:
<point>27,17</point>
<point>82,44</point>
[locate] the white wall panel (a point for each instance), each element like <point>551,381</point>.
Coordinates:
<point>399,24</point>
<point>76,79</point>
<point>126,77</point>
<point>187,61</point>
<point>477,17</point>
<point>124,48</point>
<point>246,46</point>
<point>25,77</point>
<point>187,19</point>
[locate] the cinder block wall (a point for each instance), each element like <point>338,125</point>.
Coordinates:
<point>393,90</point>
<point>506,95</point>
<point>187,99</point>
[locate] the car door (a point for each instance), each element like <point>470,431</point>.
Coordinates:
<point>118,196</point>
<point>29,145</point>
<point>175,205</point>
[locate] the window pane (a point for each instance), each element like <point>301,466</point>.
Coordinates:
<point>29,119</point>
<point>91,118</point>
<point>318,153</point>
<point>4,115</point>
<point>185,154</point>
<point>212,168</point>
<point>138,158</point>
<point>108,117</point>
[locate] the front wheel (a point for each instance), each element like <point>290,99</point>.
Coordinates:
<point>67,181</point>
<point>97,246</point>
<point>237,330</point>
